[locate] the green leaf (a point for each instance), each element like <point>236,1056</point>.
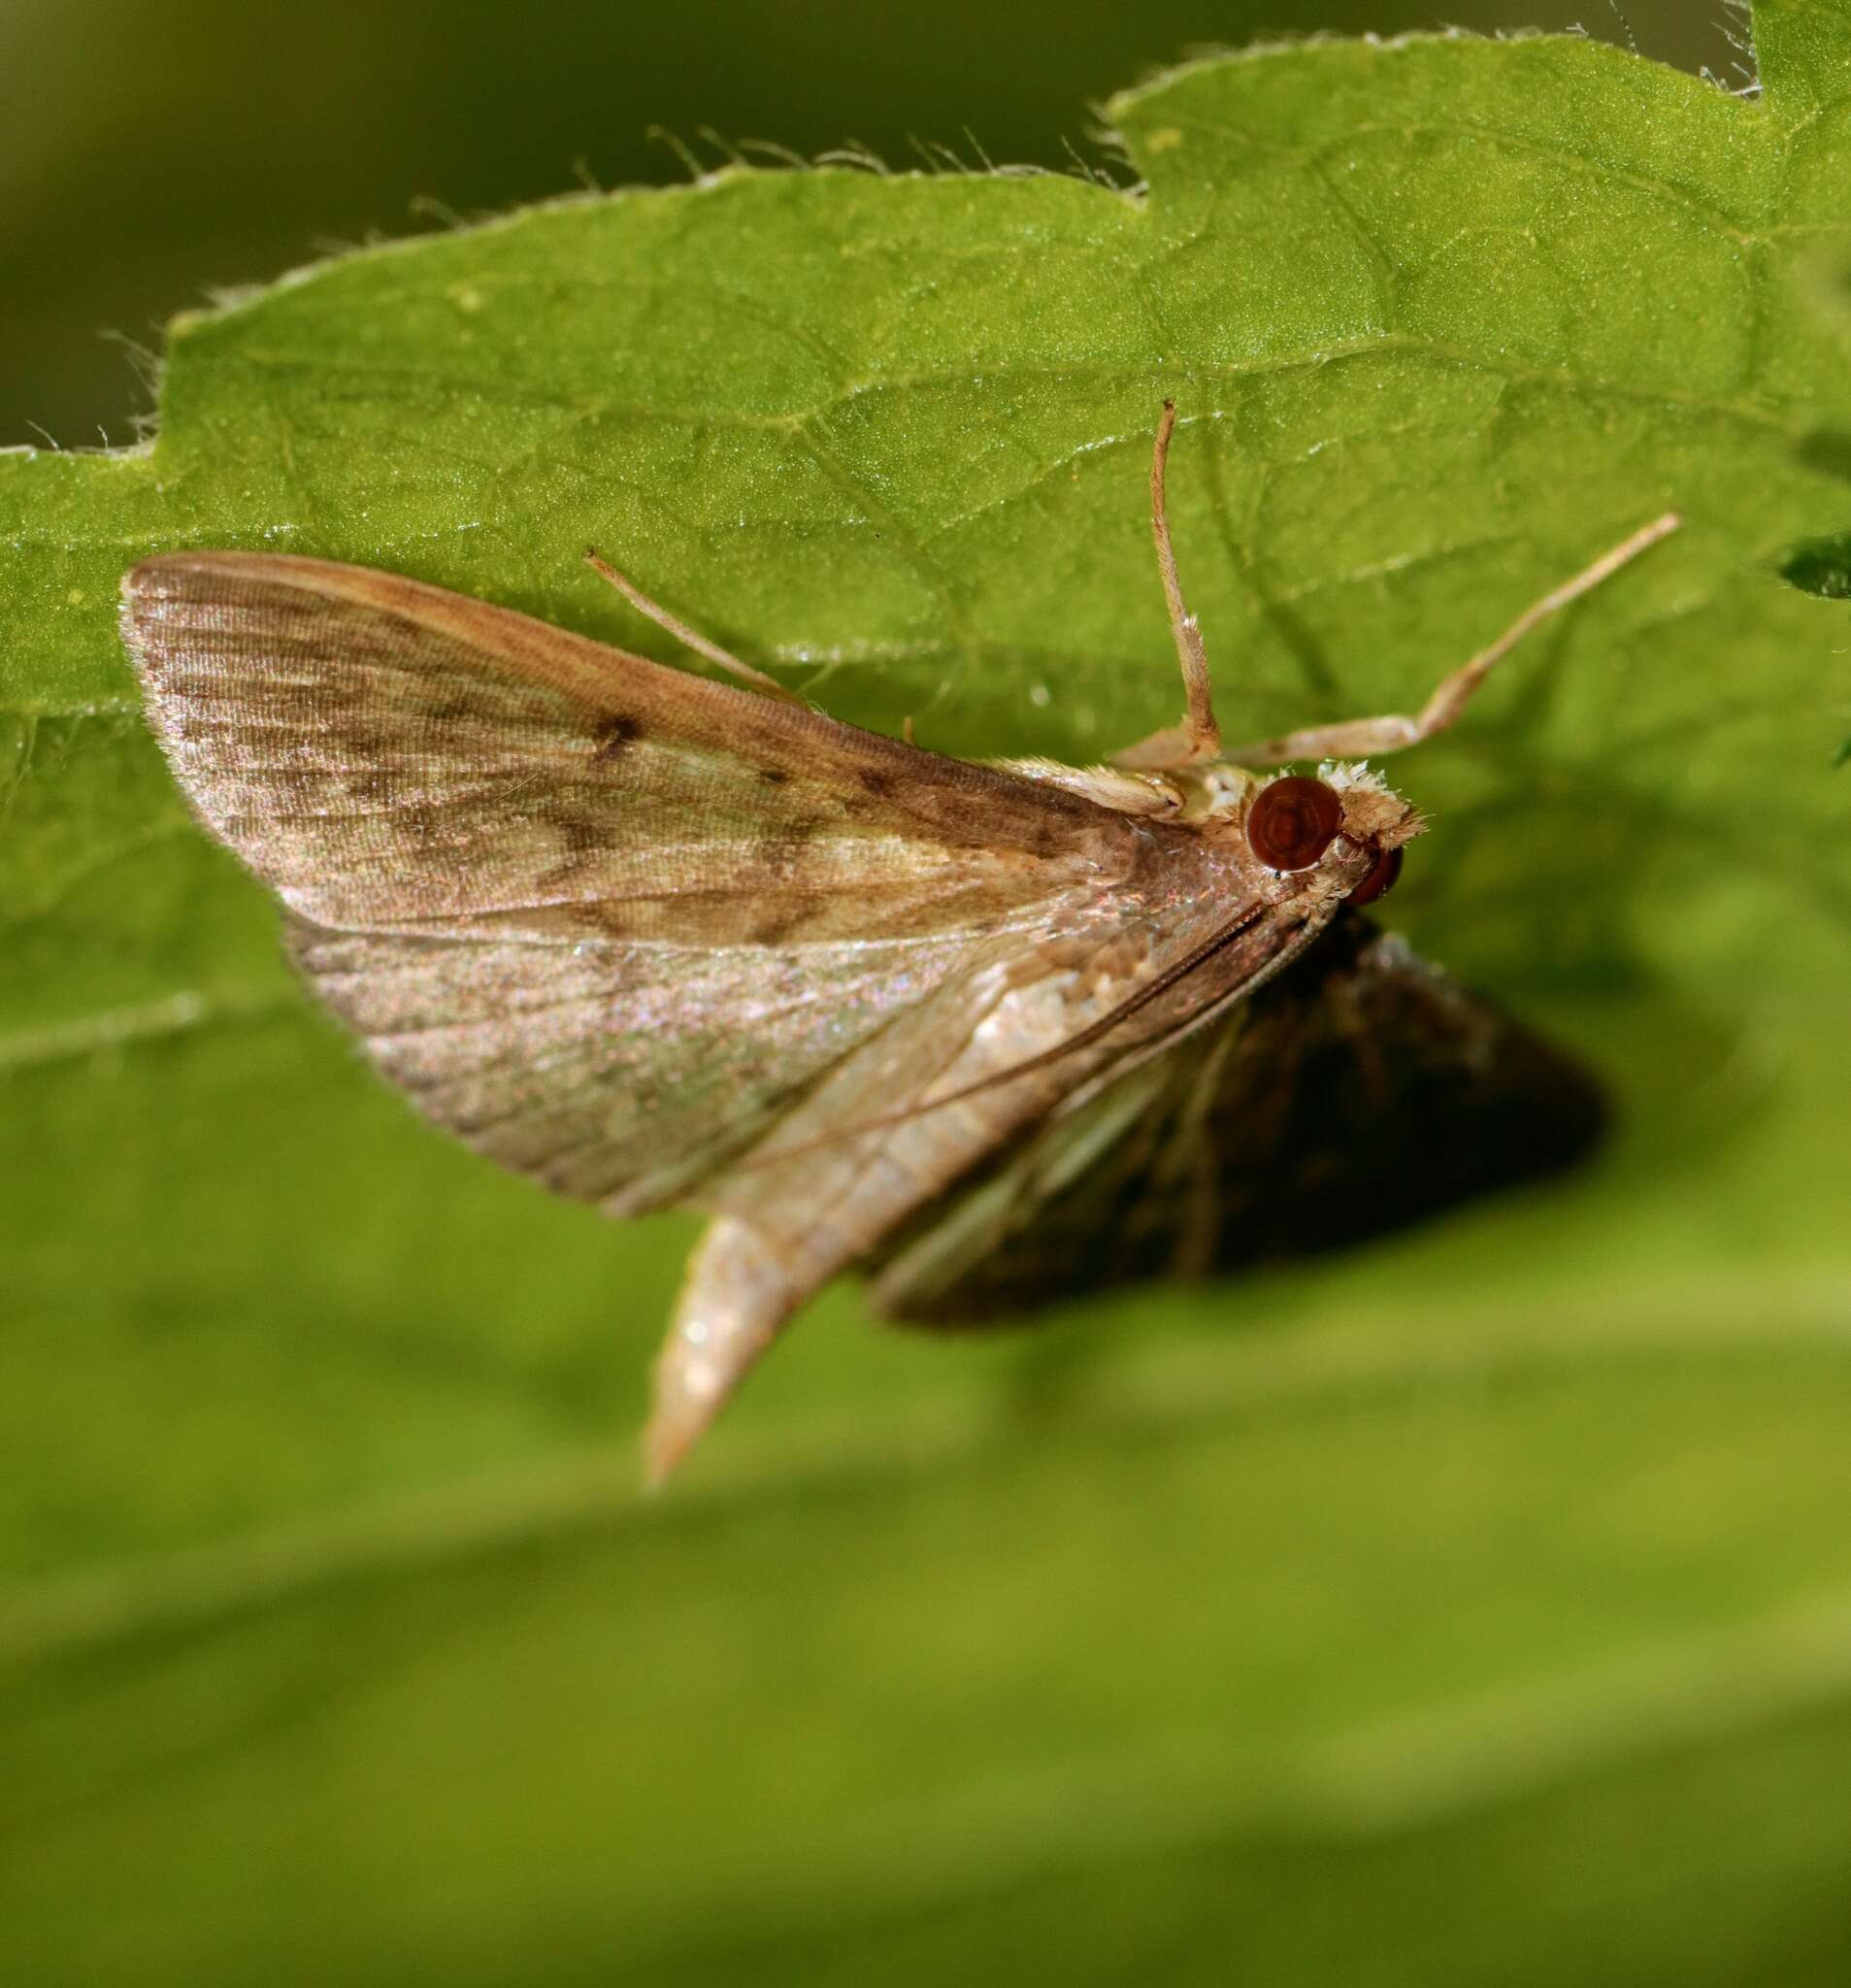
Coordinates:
<point>1474,1608</point>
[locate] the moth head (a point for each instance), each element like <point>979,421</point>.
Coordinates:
<point>1342,821</point>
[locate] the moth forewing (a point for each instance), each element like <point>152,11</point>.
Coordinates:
<point>390,755</point>
<point>600,918</point>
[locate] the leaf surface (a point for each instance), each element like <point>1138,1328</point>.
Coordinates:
<point>1504,1562</point>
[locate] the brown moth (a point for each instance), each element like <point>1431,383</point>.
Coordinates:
<point>658,941</point>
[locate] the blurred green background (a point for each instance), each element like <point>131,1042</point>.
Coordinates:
<point>153,154</point>
<point>1394,1650</point>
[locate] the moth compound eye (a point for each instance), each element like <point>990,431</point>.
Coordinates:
<point>1293,822</point>
<point>1380,880</point>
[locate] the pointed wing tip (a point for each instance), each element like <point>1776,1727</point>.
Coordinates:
<point>146,575</point>
<point>145,583</point>
<point>666,1443</point>
<point>152,585</point>
<point>161,571</point>
<point>157,564</point>
<point>165,576</point>
<point>690,1393</point>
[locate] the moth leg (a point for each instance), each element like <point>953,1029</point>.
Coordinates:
<point>682,633</point>
<point>1366,737</point>
<point>736,1296</point>
<point>1198,738</point>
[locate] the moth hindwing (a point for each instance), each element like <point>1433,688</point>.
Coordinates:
<point>1361,1091</point>
<point>658,939</point>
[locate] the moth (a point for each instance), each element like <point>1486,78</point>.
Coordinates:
<point>658,939</point>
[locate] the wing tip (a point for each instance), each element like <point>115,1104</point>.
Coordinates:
<point>163,575</point>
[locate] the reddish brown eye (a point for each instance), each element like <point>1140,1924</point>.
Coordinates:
<point>1293,822</point>
<point>1380,879</point>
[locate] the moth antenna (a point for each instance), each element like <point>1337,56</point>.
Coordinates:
<point>1197,737</point>
<point>682,633</point>
<point>1368,738</point>
<point>1084,1040</point>
<point>907,731</point>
